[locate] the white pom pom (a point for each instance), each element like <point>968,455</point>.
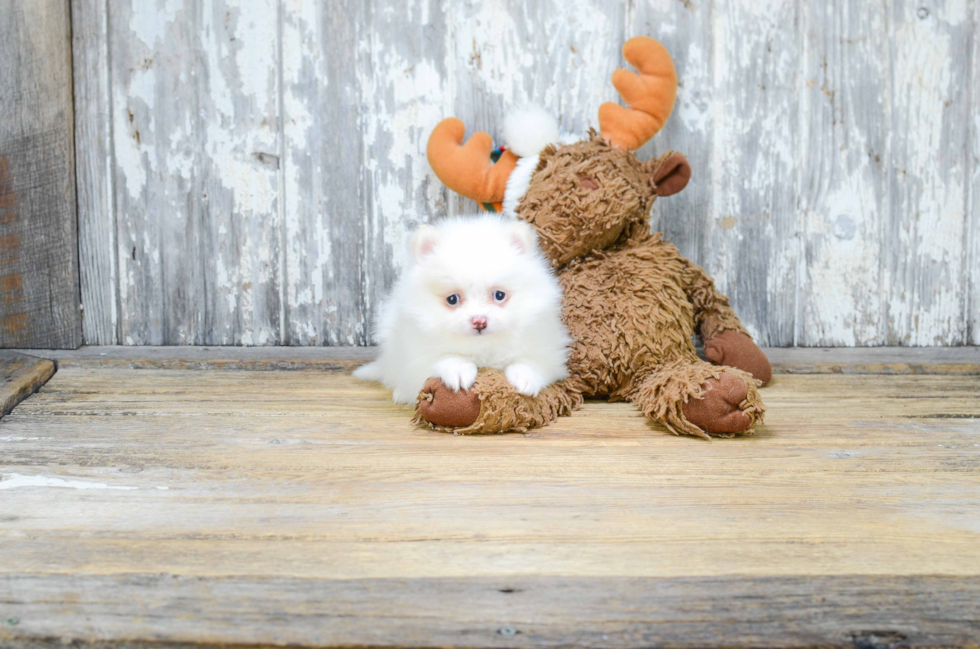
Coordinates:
<point>529,130</point>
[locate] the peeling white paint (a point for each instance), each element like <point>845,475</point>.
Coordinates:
<point>18,481</point>
<point>412,87</point>
<point>843,211</point>
<point>150,26</point>
<point>754,163</point>
<point>299,47</point>
<point>972,305</point>
<point>926,293</point>
<point>794,219</point>
<point>694,98</point>
<point>196,143</point>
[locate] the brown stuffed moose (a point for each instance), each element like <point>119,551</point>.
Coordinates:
<point>631,302</point>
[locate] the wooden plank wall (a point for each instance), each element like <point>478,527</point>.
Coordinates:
<point>39,302</point>
<point>248,171</point>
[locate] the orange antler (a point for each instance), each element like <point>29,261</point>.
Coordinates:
<point>650,95</point>
<point>467,168</point>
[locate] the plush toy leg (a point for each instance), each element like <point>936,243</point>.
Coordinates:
<point>725,339</point>
<point>692,397</point>
<point>492,405</point>
<point>738,350</point>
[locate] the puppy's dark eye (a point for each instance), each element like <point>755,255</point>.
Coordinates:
<point>452,300</point>
<point>499,296</point>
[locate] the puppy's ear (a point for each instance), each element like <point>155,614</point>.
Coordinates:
<point>523,236</point>
<point>424,241</point>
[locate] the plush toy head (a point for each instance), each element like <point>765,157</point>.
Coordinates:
<point>580,194</point>
<point>591,195</point>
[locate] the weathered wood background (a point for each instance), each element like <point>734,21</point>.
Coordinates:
<point>248,170</point>
<point>39,297</point>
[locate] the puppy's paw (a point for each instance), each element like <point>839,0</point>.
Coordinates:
<point>456,373</point>
<point>525,379</point>
<point>399,395</point>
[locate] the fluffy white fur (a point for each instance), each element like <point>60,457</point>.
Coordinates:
<point>529,130</point>
<point>422,335</point>
<point>518,183</point>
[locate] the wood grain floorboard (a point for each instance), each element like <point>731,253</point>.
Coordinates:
<point>257,508</point>
<point>150,610</point>
<point>963,361</point>
<point>21,376</point>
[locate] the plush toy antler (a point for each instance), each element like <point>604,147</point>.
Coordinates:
<point>649,94</point>
<point>467,168</point>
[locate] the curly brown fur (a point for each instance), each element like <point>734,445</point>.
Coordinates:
<point>572,218</point>
<point>663,395</point>
<point>627,312</point>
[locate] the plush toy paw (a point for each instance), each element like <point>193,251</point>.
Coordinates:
<point>442,406</point>
<point>720,412</point>
<point>735,349</point>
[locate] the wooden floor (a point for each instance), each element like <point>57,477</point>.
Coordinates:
<point>142,506</point>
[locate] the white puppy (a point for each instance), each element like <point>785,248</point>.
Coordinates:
<point>478,293</point>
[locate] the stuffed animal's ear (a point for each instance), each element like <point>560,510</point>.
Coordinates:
<point>670,172</point>
<point>424,241</point>
<point>523,236</point>
<point>546,154</point>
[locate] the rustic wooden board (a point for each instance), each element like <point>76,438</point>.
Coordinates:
<point>20,377</point>
<point>754,248</point>
<point>845,193</point>
<point>871,612</point>
<point>195,125</point>
<point>973,188</point>
<point>558,54</point>
<point>302,507</point>
<point>38,237</point>
<point>876,360</point>
<point>321,359</point>
<point>925,289</point>
<point>834,148</point>
<point>97,243</point>
<point>785,360</point>
<point>326,196</point>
